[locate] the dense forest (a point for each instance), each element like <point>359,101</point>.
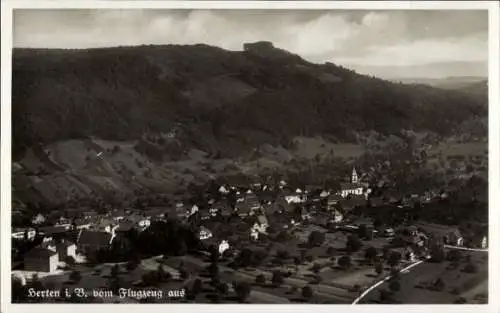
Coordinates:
<point>217,100</point>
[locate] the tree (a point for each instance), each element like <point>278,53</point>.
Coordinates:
<point>379,268</point>
<point>196,287</point>
<point>184,273</point>
<point>162,275</point>
<point>213,269</point>
<point>470,268</point>
<point>394,285</point>
<point>114,284</point>
<point>70,261</point>
<point>330,251</point>
<point>454,256</point>
<point>316,238</point>
<point>384,296</point>
<point>439,285</point>
<point>437,253</point>
<point>353,244</point>
<point>115,270</point>
<point>260,279</point>
<point>344,262</point>
<point>75,276</point>
<point>394,259</point>
<point>307,292</point>
<point>18,290</point>
<point>131,265</point>
<point>371,254</point>
<point>242,290</point>
<point>277,278</point>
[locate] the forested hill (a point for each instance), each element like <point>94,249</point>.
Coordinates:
<point>215,100</point>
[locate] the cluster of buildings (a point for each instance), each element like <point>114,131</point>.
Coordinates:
<point>254,208</point>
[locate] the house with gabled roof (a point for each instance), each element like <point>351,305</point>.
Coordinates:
<point>63,247</point>
<point>41,259</point>
<point>91,241</point>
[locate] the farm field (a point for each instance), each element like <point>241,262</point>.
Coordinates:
<point>457,284</point>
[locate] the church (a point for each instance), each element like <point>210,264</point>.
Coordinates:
<point>354,187</point>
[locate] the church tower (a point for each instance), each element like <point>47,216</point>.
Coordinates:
<point>354,176</point>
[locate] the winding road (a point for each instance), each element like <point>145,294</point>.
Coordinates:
<point>407,268</point>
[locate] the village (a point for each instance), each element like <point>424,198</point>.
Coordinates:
<point>257,243</point>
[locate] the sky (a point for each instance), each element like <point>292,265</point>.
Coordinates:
<point>387,44</point>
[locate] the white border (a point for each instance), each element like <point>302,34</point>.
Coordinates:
<point>494,147</point>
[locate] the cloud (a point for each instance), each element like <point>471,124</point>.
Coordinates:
<point>359,38</point>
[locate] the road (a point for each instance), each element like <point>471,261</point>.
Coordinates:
<point>407,269</point>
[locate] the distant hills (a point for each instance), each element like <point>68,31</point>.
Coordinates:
<point>214,100</point>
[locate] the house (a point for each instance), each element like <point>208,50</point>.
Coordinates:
<point>261,224</point>
<point>324,193</point>
<point>450,236</point>
<point>222,208</point>
<point>297,196</point>
<point>223,246</point>
<point>254,234</point>
<point>105,224</point>
<point>41,259</point>
<point>204,233</point>
<point>332,201</point>
<point>336,216</point>
<point>51,232</point>
<point>354,187</point>
<point>223,190</point>
<point>243,209</point>
<point>91,241</point>
<point>38,219</point>
<point>28,234</point>
<point>117,214</point>
<point>124,226</point>
<point>409,254</point>
<point>412,235</point>
<point>351,202</point>
<point>63,247</point>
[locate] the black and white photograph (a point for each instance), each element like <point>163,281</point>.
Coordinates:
<point>264,155</point>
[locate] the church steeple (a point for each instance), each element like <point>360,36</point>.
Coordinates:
<point>354,176</point>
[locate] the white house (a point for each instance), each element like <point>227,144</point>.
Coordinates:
<point>204,233</point>
<point>223,190</point>
<point>337,217</point>
<point>254,234</point>
<point>223,246</point>
<point>38,219</point>
<point>143,223</point>
<point>296,198</point>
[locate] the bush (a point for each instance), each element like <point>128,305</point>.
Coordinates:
<point>394,285</point>
<point>316,238</point>
<point>330,251</point>
<point>260,279</point>
<point>196,287</point>
<point>242,290</point>
<point>70,261</point>
<point>460,300</point>
<point>394,259</point>
<point>307,292</point>
<point>471,268</point>
<point>344,262</point>
<point>371,254</point>
<point>131,265</point>
<point>316,268</point>
<point>75,276</point>
<point>353,244</point>
<point>278,278</point>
